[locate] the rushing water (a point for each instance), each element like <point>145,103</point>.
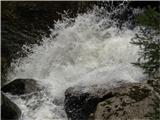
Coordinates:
<point>86,50</point>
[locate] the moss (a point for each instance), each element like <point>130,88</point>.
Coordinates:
<point>138,93</point>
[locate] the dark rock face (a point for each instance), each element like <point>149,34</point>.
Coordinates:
<point>9,110</point>
<point>79,104</point>
<point>128,101</point>
<point>21,86</point>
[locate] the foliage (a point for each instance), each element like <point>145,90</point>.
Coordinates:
<point>148,39</point>
<point>149,18</point>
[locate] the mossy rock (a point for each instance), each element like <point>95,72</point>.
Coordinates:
<point>130,101</point>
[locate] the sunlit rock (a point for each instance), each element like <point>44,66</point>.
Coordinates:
<point>132,101</point>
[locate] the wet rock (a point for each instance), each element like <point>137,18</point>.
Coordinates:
<point>21,86</point>
<point>79,103</point>
<point>130,101</point>
<point>9,110</point>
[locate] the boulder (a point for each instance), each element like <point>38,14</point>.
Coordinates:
<point>79,103</point>
<point>132,101</point>
<point>9,110</point>
<point>127,101</point>
<point>21,86</point>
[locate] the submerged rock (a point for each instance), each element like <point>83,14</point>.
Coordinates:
<point>21,86</point>
<point>9,110</point>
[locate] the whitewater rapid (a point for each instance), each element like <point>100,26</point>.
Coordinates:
<point>85,51</point>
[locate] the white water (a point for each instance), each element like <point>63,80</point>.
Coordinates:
<point>87,50</point>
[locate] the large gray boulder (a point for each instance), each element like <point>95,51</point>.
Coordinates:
<point>132,101</point>
<point>128,101</point>
<point>9,110</point>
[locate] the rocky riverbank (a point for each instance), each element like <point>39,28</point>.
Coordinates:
<point>25,23</point>
<point>26,88</point>
<point>128,101</point>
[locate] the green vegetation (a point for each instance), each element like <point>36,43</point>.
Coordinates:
<point>138,93</point>
<point>149,18</point>
<point>148,39</point>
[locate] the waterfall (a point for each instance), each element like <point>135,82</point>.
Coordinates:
<point>86,50</point>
